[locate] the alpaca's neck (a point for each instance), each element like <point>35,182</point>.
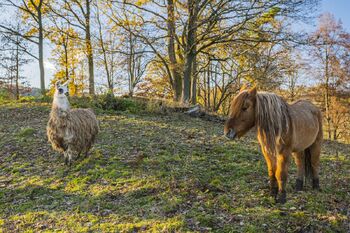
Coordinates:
<point>61,103</point>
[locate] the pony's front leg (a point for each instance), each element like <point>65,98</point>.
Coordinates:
<point>273,184</point>
<point>281,176</point>
<point>271,168</point>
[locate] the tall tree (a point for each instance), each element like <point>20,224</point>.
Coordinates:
<point>66,55</point>
<point>330,47</point>
<point>173,61</point>
<point>190,48</point>
<point>191,27</point>
<point>104,46</point>
<point>77,13</point>
<point>34,10</point>
<point>136,62</point>
<point>15,53</point>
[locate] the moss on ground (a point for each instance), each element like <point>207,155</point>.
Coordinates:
<point>156,173</point>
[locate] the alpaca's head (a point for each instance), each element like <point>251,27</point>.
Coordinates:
<point>60,99</point>
<point>61,90</point>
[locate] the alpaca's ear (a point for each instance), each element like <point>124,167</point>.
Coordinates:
<point>66,83</point>
<point>252,91</point>
<point>58,84</point>
<point>243,87</point>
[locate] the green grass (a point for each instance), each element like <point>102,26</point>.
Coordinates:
<point>156,173</point>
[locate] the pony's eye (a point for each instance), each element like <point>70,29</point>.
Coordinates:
<point>244,108</point>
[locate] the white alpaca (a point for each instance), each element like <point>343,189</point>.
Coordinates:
<point>70,131</point>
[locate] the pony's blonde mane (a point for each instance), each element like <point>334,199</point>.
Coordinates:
<point>272,119</point>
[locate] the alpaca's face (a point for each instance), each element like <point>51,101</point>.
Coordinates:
<point>62,89</point>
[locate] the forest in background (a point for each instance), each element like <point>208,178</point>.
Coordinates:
<point>187,51</point>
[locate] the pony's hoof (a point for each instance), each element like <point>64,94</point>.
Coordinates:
<point>316,184</point>
<point>273,191</point>
<point>281,197</point>
<point>299,185</point>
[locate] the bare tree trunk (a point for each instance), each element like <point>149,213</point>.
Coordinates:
<point>205,89</point>
<point>328,118</point>
<point>194,82</point>
<point>131,66</point>
<point>174,67</point>
<point>41,51</point>
<point>104,53</point>
<point>190,53</point>
<point>187,78</point>
<point>215,94</point>
<point>17,67</point>
<point>89,50</point>
<point>208,85</point>
<point>65,44</point>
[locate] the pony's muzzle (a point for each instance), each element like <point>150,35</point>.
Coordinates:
<point>231,134</point>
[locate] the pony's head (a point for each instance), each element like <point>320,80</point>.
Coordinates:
<point>61,90</point>
<point>242,114</point>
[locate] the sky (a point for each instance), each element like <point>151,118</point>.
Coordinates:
<point>339,8</point>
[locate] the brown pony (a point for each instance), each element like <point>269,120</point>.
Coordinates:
<point>282,129</point>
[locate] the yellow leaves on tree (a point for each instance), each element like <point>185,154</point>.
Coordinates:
<point>141,2</point>
<point>67,56</point>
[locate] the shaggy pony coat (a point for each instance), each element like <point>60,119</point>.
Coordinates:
<point>283,130</point>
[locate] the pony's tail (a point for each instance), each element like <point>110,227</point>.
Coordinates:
<point>307,164</point>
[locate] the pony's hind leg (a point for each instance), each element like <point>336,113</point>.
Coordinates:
<point>315,151</point>
<point>300,163</point>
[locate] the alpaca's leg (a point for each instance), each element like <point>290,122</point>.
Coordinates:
<point>69,156</point>
<point>270,162</point>
<point>87,151</point>
<point>281,176</point>
<point>299,159</point>
<point>65,154</point>
<point>78,156</point>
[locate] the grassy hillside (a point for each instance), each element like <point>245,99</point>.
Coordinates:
<point>156,173</point>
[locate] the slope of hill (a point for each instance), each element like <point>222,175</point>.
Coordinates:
<point>160,173</point>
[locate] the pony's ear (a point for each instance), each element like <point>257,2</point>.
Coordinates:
<point>243,87</point>
<point>58,84</point>
<point>252,91</point>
